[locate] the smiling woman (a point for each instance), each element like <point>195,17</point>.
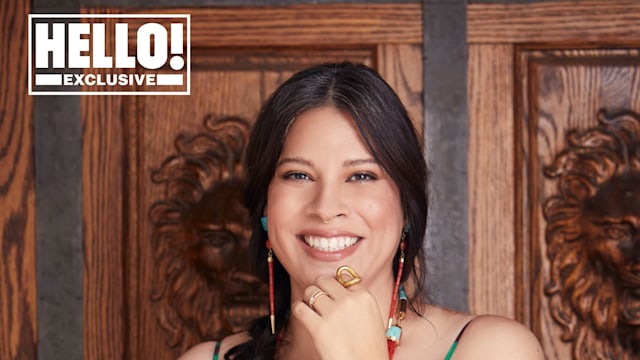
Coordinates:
<point>336,187</point>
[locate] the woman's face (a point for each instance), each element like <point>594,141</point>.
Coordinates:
<point>330,203</point>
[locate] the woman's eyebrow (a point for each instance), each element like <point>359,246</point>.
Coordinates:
<point>356,162</point>
<point>295,160</point>
<point>346,163</point>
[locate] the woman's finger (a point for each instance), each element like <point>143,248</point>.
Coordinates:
<point>307,316</point>
<point>331,285</point>
<point>317,299</point>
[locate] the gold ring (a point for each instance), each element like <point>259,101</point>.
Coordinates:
<point>314,297</point>
<point>355,278</point>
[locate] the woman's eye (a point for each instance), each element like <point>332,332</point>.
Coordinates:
<point>296,176</point>
<point>362,177</point>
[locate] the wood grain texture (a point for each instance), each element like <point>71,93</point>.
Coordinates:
<point>491,183</point>
<point>106,215</point>
<point>104,166</point>
<point>578,22</point>
<point>401,66</point>
<point>296,25</point>
<point>18,330</point>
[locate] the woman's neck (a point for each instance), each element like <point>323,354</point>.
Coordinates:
<point>296,343</point>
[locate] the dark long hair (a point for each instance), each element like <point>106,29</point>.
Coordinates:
<point>389,135</point>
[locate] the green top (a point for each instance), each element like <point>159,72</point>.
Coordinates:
<point>449,354</point>
<point>455,342</point>
<point>216,350</point>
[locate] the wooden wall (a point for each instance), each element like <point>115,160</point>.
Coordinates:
<point>17,193</point>
<point>40,159</point>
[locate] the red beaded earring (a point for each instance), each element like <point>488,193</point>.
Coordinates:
<point>272,305</point>
<point>272,310</point>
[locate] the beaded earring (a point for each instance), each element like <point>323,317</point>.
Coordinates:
<point>272,307</point>
<point>394,331</point>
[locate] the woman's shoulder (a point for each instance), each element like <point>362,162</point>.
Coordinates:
<point>205,350</point>
<point>497,337</point>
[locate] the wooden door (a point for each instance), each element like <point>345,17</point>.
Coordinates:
<point>18,330</point>
<point>554,139</point>
<point>163,225</point>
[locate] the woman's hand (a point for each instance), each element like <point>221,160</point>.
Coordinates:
<point>345,323</point>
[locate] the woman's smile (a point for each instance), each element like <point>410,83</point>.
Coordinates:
<point>330,244</point>
<point>329,249</point>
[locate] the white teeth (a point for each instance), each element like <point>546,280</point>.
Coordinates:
<point>330,244</point>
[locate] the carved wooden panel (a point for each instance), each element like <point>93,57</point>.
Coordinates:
<point>162,174</point>
<point>538,73</point>
<point>593,239</point>
<point>576,159</point>
<point>200,235</point>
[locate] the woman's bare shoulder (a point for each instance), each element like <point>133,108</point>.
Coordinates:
<point>495,337</point>
<point>201,351</point>
<point>204,351</point>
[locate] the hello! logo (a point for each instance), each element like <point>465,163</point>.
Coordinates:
<point>108,54</point>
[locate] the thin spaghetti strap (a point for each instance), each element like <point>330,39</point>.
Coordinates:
<point>455,342</point>
<point>216,350</point>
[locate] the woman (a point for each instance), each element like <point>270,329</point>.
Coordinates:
<point>335,176</point>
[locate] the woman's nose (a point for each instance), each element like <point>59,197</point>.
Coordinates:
<point>328,203</point>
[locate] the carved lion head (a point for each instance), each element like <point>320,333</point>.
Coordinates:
<point>203,287</point>
<point>593,239</point>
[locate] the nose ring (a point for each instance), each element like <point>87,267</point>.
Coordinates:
<point>331,218</point>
